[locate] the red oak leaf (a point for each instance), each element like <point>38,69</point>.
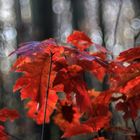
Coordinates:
<point>79,40</point>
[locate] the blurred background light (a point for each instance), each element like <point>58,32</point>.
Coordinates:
<point>9,33</point>
<point>25,7</point>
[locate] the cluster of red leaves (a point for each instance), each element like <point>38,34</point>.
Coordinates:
<point>53,80</point>
<point>125,79</point>
<point>6,114</point>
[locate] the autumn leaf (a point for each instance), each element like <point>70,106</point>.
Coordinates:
<point>73,81</point>
<point>90,126</point>
<point>37,113</point>
<point>95,63</point>
<point>3,135</point>
<point>33,84</point>
<point>99,138</point>
<point>6,114</point>
<point>99,122</point>
<point>131,88</point>
<point>79,40</point>
<point>67,114</point>
<point>30,48</point>
<point>130,107</point>
<point>129,55</point>
<point>119,75</point>
<point>76,130</point>
<point>95,68</point>
<point>104,98</point>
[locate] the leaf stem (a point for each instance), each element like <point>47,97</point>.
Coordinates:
<point>134,124</point>
<point>47,93</point>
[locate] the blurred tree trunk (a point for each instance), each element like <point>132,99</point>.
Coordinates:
<point>15,23</point>
<point>8,42</point>
<point>62,19</point>
<point>119,35</point>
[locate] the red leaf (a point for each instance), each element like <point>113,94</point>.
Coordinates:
<point>104,98</point>
<point>79,40</point>
<point>119,75</point>
<point>100,121</point>
<point>8,114</point>
<point>3,135</point>
<point>67,114</point>
<point>33,84</point>
<point>37,113</point>
<point>132,87</point>
<point>130,107</point>
<point>82,97</point>
<point>95,68</point>
<point>73,81</point>
<point>129,55</point>
<point>99,138</point>
<point>30,48</point>
<point>77,129</point>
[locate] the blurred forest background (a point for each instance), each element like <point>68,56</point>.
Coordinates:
<point>112,23</point>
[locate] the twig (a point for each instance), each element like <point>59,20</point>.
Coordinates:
<point>134,124</point>
<point>47,93</point>
<point>12,136</point>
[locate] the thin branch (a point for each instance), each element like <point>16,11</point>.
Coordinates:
<point>47,93</point>
<point>134,124</point>
<point>12,136</point>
